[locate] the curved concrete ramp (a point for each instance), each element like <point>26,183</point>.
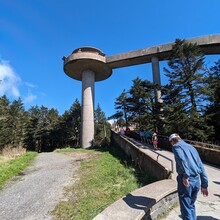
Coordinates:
<point>209,44</point>
<point>150,200</point>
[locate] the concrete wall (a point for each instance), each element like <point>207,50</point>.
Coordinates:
<point>144,161</point>
<point>209,155</point>
<point>145,203</point>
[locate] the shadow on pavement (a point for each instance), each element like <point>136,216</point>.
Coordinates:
<point>218,195</point>
<point>206,218</point>
<point>216,182</point>
<point>138,202</point>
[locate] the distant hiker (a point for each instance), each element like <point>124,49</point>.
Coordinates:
<point>122,132</point>
<point>154,140</point>
<point>127,131</point>
<point>142,135</point>
<point>148,137</point>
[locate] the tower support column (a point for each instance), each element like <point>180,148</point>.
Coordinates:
<point>158,96</point>
<point>87,64</point>
<point>156,78</point>
<point>87,111</point>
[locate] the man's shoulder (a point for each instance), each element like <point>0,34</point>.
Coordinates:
<point>186,146</point>
<point>181,145</point>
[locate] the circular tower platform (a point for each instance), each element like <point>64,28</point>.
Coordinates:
<point>88,65</point>
<point>87,58</point>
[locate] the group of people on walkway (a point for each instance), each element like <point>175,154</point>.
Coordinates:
<point>191,177</point>
<point>123,131</point>
<point>147,138</point>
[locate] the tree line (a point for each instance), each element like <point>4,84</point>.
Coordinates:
<point>42,129</point>
<point>190,107</point>
<point>191,98</point>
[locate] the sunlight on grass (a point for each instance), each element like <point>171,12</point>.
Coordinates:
<point>11,153</point>
<point>13,167</point>
<point>102,181</point>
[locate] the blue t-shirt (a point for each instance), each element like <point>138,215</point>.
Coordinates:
<point>147,134</point>
<point>188,162</point>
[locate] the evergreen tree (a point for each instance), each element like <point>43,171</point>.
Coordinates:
<point>175,115</point>
<point>121,104</point>
<point>63,130</point>
<point>137,101</point>
<point>186,73</point>
<point>42,129</point>
<point>154,111</point>
<point>5,129</point>
<point>12,126</point>
<point>99,116</point>
<point>17,123</point>
<point>102,127</point>
<point>213,109</point>
<point>53,123</point>
<point>142,105</point>
<point>116,116</point>
<point>30,140</point>
<point>33,136</point>
<point>186,76</point>
<point>75,123</point>
<point>68,129</point>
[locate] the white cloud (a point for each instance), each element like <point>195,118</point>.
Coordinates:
<point>9,80</point>
<point>10,83</point>
<point>43,94</point>
<point>30,85</point>
<point>29,98</point>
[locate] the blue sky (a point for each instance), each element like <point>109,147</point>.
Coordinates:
<point>36,34</point>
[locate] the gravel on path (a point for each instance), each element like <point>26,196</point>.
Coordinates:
<point>33,195</point>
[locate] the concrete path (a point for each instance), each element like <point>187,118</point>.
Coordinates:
<point>208,208</point>
<point>35,194</point>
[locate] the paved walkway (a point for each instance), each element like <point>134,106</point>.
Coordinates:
<point>208,208</point>
<point>36,193</point>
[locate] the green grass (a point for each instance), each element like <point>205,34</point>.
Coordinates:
<point>15,166</point>
<point>66,150</point>
<point>101,181</point>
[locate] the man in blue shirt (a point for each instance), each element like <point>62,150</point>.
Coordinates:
<point>191,176</point>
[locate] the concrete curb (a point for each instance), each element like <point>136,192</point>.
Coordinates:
<point>144,203</point>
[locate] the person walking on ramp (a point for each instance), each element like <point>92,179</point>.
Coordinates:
<point>155,140</point>
<point>190,171</point>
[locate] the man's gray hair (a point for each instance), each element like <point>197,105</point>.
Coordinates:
<point>174,136</point>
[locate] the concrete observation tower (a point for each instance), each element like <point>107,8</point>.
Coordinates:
<point>88,65</point>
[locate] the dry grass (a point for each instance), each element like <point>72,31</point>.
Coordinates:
<point>8,154</point>
<point>13,162</point>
